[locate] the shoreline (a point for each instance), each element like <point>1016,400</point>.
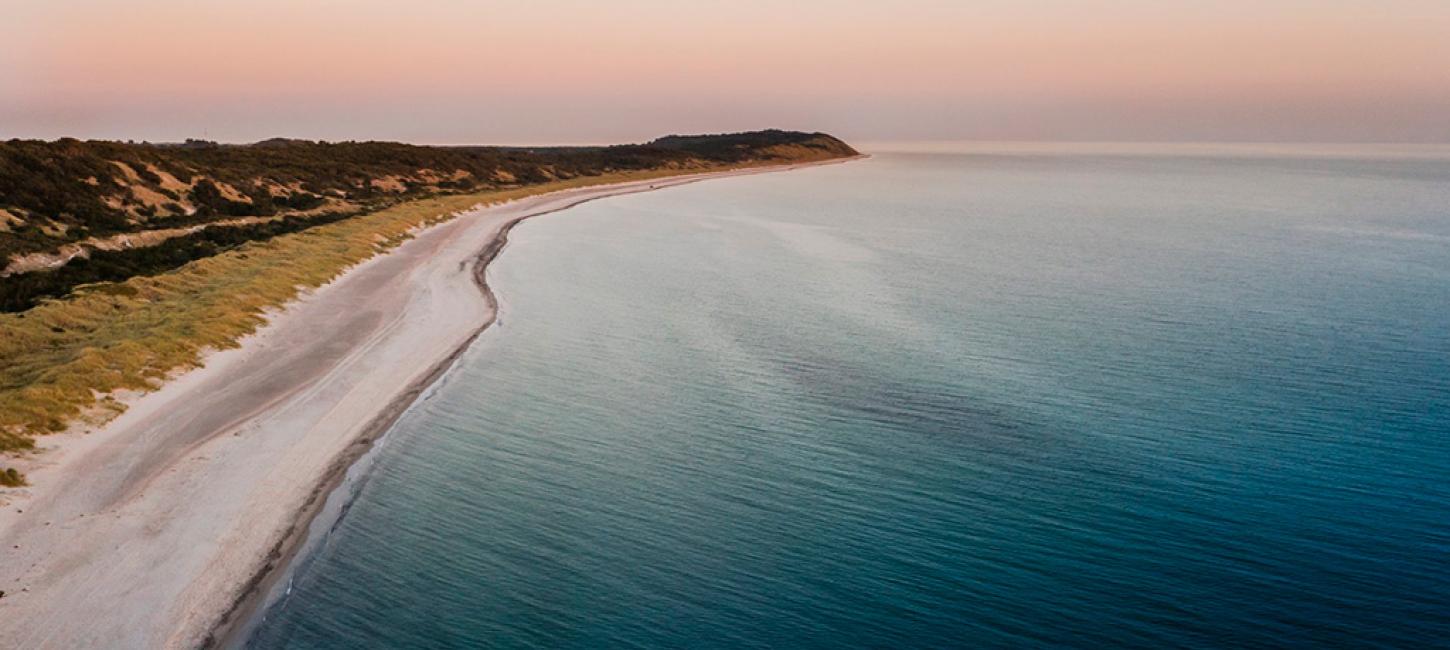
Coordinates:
<point>236,625</point>
<point>193,610</point>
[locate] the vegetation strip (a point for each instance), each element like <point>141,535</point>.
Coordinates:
<point>25,290</point>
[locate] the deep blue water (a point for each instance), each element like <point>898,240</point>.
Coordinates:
<point>995,399</point>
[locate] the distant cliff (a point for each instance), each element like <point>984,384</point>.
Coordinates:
<point>75,212</point>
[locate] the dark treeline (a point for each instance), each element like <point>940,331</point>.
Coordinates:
<point>23,291</point>
<point>728,145</point>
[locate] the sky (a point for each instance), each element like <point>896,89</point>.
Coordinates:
<point>577,71</point>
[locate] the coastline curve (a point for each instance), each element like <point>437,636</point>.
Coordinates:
<point>334,492</point>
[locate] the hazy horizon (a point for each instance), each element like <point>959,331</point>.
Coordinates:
<point>449,72</point>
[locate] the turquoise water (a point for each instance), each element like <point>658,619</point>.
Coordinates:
<point>1010,398</point>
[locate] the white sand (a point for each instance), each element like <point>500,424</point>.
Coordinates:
<point>146,533</point>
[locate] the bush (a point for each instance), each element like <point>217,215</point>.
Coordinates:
<point>11,478</point>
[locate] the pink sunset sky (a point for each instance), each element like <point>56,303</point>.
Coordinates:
<point>574,71</point>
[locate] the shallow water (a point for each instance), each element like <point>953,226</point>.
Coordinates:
<point>1134,398</point>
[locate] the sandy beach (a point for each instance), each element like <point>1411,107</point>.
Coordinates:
<point>162,528</point>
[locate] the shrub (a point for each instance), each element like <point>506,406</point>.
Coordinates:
<point>11,478</point>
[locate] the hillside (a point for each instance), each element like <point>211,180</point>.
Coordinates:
<point>74,212</point>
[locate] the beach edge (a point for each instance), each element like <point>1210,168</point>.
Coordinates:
<point>236,625</point>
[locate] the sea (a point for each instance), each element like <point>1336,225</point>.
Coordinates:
<point>968,395</point>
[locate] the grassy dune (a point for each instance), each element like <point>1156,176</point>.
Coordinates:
<point>61,361</point>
